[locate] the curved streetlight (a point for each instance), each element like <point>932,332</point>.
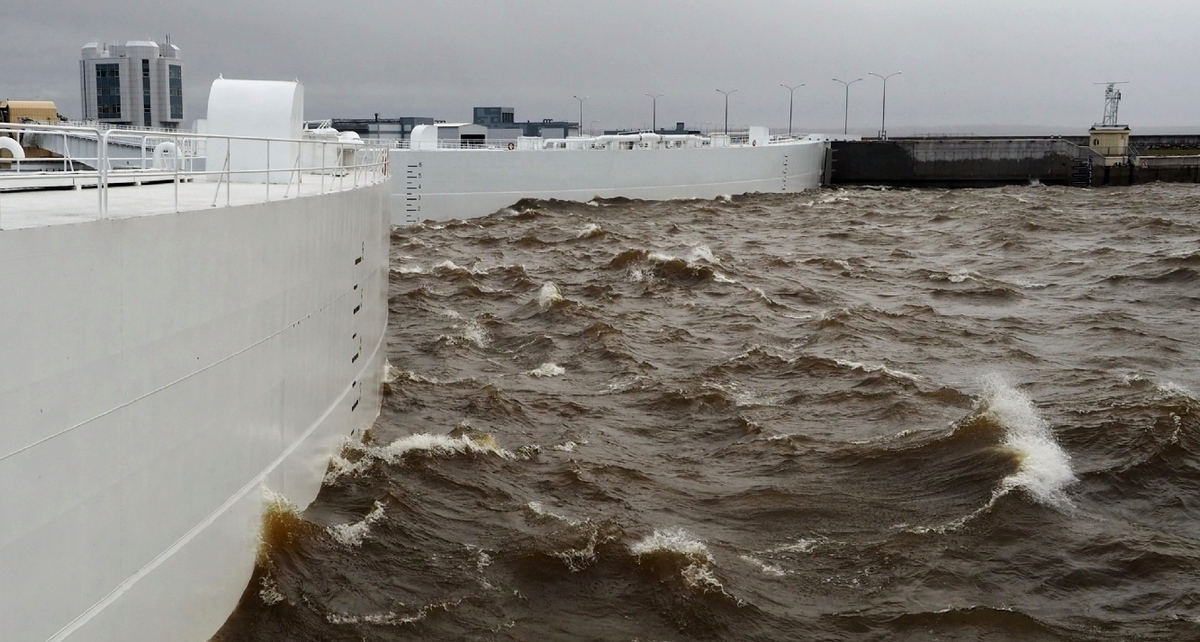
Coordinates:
<point>846,123</point>
<point>883,118</point>
<point>790,101</point>
<point>726,108</point>
<point>580,112</point>
<point>654,112</point>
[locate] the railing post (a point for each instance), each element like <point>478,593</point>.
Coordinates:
<point>102,170</point>
<point>175,163</point>
<point>228,178</point>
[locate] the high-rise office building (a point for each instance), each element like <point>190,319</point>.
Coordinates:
<point>139,84</point>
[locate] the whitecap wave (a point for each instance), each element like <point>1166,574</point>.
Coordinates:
<point>549,295</point>
<point>470,333</point>
<point>1170,389</point>
<point>698,573</point>
<point>480,444</point>
<point>1044,470</point>
<point>767,569</point>
<point>390,618</point>
<point>476,334</point>
<point>1022,282</point>
<point>591,229</point>
<point>569,446</point>
<point>547,370</point>
<point>702,253</point>
<point>743,398</point>
<point>865,367</point>
<point>957,276</point>
<point>540,510</point>
<point>474,269</point>
<point>673,540</point>
<point>802,545</point>
<point>356,458</point>
<point>353,534</point>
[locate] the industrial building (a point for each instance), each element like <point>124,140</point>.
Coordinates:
<point>501,124</point>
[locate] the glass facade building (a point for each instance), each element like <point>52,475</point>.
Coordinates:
<point>137,84</point>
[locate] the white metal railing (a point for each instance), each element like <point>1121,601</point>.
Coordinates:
<point>579,143</point>
<point>118,156</point>
<point>498,144</point>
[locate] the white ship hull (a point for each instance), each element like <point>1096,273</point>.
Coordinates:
<point>442,184</point>
<point>160,370</point>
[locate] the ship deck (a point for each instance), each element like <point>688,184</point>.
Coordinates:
<point>39,201</point>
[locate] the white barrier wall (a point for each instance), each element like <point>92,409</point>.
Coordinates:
<point>158,372</point>
<point>442,184</point>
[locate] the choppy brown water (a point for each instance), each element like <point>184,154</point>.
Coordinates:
<point>840,415</point>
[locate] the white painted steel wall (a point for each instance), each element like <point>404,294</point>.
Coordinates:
<point>445,184</point>
<point>157,372</point>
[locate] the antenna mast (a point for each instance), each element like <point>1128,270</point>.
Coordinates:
<point>1112,98</point>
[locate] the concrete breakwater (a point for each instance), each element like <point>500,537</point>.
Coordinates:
<point>992,161</point>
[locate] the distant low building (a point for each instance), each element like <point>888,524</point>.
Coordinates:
<point>501,125</point>
<point>679,130</point>
<point>381,128</point>
<point>138,84</point>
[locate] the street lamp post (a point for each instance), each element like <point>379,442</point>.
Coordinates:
<point>883,118</point>
<point>846,123</point>
<point>654,111</point>
<point>791,97</point>
<point>726,108</point>
<point>580,112</point>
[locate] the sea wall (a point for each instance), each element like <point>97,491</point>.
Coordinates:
<point>1149,169</point>
<point>954,162</point>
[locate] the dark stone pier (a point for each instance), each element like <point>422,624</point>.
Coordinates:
<point>983,161</point>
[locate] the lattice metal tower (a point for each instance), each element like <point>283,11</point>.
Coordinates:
<point>1112,97</point>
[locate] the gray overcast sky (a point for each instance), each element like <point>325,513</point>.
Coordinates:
<point>968,65</point>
